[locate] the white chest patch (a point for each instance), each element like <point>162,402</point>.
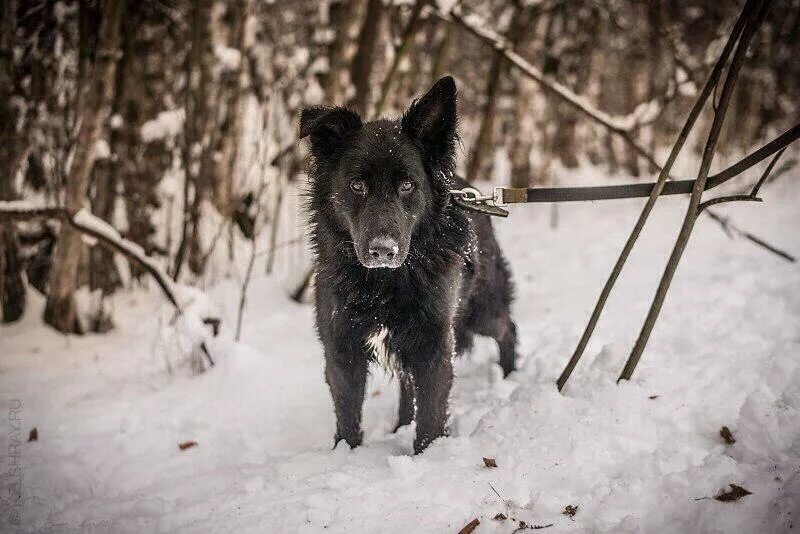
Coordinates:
<point>377,343</point>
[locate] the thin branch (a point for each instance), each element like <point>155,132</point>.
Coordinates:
<point>752,196</point>
<point>728,198</point>
<point>772,248</point>
<point>248,274</point>
<point>298,294</point>
<point>767,172</point>
<point>282,244</point>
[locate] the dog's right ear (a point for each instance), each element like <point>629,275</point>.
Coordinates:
<point>329,128</point>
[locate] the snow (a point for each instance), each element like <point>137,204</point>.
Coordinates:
<point>102,150</point>
<point>116,121</point>
<point>167,124</point>
<point>22,205</point>
<point>633,457</point>
<point>229,58</point>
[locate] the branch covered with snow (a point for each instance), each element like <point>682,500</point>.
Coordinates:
<point>478,27</point>
<point>107,236</point>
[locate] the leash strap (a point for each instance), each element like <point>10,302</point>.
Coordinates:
<point>516,195</point>
<point>469,198</point>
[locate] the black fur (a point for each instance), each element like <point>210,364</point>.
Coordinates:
<point>437,275</point>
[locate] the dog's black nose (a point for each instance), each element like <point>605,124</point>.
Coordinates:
<point>383,248</point>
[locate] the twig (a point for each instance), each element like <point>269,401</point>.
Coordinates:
<point>298,294</point>
<point>754,14</point>
<point>727,198</point>
<point>495,492</point>
<point>776,145</point>
<point>215,240</point>
<point>248,274</point>
<point>276,219</point>
<point>524,526</point>
<point>772,248</point>
<point>767,171</point>
<point>243,295</point>
<point>695,112</point>
<point>282,244</point>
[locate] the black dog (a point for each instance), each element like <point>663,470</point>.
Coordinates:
<point>402,274</point>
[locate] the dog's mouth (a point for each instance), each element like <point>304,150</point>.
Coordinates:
<point>382,252</point>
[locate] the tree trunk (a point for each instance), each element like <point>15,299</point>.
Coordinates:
<point>231,129</point>
<point>139,166</point>
<point>61,311</point>
<point>12,286</point>
<point>407,39</point>
<point>196,157</point>
<point>440,61</point>
<point>520,23</point>
<point>365,58</point>
<point>342,16</point>
<point>523,137</point>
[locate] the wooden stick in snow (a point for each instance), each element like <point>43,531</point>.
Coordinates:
<point>708,88</point>
<point>754,13</point>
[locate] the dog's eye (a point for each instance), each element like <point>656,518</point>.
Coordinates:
<point>358,186</point>
<point>406,185</point>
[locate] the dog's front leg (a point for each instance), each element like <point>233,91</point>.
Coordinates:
<point>347,378</point>
<point>433,377</point>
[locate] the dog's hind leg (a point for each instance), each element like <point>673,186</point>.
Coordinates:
<point>507,342</point>
<point>347,380</point>
<point>503,330</point>
<point>407,403</point>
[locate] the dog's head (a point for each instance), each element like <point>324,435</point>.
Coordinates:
<point>379,181</point>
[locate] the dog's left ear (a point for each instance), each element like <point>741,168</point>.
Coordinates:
<point>432,121</point>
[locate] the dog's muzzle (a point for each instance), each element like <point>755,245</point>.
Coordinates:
<point>383,251</point>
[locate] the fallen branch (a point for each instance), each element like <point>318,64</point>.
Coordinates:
<point>106,236</point>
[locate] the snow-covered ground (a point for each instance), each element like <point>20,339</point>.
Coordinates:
<point>635,457</point>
